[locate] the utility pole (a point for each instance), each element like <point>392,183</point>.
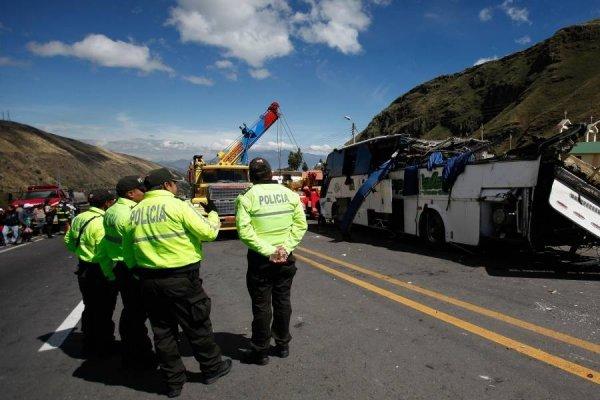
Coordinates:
<point>349,118</point>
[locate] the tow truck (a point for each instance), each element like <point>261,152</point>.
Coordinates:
<point>222,179</point>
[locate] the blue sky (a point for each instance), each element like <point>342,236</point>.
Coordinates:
<point>181,75</point>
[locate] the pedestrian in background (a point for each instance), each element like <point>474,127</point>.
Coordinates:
<point>40,219</point>
<point>135,344</point>
<point>62,215</point>
<point>2,215</point>
<point>27,219</point>
<point>50,213</point>
<point>270,220</point>
<point>164,245</point>
<point>95,275</point>
<point>11,225</point>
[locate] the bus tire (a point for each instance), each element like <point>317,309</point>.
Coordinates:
<point>431,228</point>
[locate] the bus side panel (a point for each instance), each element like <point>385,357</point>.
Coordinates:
<point>461,219</point>
<point>411,221</point>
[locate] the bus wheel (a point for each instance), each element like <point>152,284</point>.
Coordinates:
<point>431,228</point>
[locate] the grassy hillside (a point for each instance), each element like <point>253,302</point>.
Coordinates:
<point>527,92</point>
<point>30,156</point>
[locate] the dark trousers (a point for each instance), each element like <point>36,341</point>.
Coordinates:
<point>99,299</point>
<point>135,343</point>
<point>269,286</point>
<point>179,299</point>
<point>49,228</point>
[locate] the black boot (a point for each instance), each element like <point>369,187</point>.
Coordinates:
<point>255,357</point>
<point>223,369</point>
<point>281,351</point>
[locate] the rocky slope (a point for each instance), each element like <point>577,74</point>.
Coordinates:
<point>526,92</point>
<point>30,156</point>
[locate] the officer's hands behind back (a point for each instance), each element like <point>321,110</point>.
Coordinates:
<point>280,256</point>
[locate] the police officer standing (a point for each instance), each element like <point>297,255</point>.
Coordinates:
<point>95,274</point>
<point>135,343</point>
<point>270,220</point>
<point>164,244</point>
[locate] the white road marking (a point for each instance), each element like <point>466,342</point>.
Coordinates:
<point>63,331</point>
<point>20,245</point>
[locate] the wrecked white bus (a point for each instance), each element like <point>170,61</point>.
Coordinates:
<point>450,191</point>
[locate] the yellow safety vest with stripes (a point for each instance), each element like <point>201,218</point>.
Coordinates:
<point>270,215</point>
<point>116,224</point>
<point>91,247</point>
<point>166,232</point>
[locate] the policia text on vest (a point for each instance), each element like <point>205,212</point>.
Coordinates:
<point>164,247</point>
<point>270,220</point>
<point>136,347</point>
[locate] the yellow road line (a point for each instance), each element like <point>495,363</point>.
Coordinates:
<point>568,366</point>
<point>463,304</point>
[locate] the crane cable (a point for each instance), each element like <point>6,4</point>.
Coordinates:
<point>290,135</point>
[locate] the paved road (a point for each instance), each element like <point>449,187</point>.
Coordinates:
<point>377,318</point>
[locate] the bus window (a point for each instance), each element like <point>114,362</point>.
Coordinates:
<point>363,161</point>
<point>382,151</point>
<point>349,161</point>
<point>335,162</point>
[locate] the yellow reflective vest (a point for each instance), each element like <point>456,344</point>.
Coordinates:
<point>166,232</point>
<point>91,246</point>
<point>116,224</point>
<point>270,215</point>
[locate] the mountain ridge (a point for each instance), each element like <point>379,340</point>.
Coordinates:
<point>30,156</point>
<point>526,92</point>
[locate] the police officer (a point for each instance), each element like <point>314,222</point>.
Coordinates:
<point>62,212</point>
<point>270,220</point>
<point>164,244</point>
<point>95,275</point>
<point>135,343</point>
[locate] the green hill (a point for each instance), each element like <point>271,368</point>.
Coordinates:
<point>29,156</point>
<point>526,92</point>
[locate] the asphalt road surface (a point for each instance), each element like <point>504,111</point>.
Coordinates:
<point>378,318</point>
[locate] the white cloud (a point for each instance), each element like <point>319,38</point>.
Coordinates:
<point>224,64</point>
<point>232,76</point>
<point>257,31</point>
<point>335,23</point>
<point>103,51</point>
<point>271,145</point>
<point>517,14</point>
<point>253,30</point>
<point>485,14</point>
<point>260,73</point>
<point>199,80</point>
<point>319,149</point>
<point>227,68</point>
<point>11,62</point>
<point>485,59</point>
<point>523,40</point>
<point>127,135</point>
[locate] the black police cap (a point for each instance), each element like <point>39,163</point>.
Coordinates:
<point>98,197</point>
<point>130,182</point>
<point>259,169</point>
<point>157,177</point>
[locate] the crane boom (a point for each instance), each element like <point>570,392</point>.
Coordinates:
<point>238,150</point>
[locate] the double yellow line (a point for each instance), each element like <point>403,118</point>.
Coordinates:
<point>558,362</point>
